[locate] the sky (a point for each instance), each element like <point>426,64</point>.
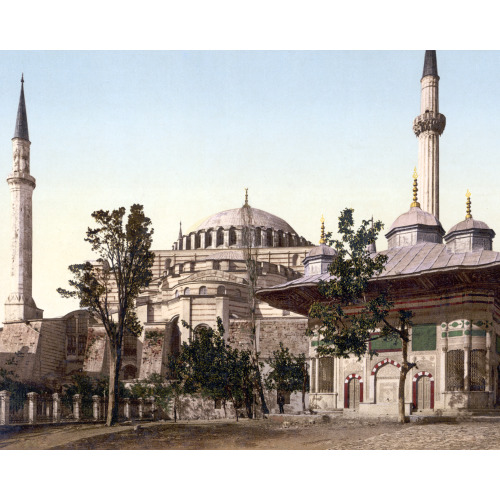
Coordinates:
<point>185,132</point>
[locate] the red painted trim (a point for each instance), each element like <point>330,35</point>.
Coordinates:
<point>346,389</point>
<point>415,378</point>
<point>380,364</point>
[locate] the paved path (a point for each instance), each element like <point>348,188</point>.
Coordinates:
<point>338,435</point>
<point>461,436</point>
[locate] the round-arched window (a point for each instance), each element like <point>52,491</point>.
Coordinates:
<point>176,293</point>
<point>187,291</point>
<point>203,290</point>
<point>221,290</point>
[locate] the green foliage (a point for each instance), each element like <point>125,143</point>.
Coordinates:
<point>154,386</point>
<point>87,387</point>
<point>109,288</point>
<point>288,372</point>
<point>124,263</point>
<point>214,369</point>
<point>19,390</point>
<point>348,315</point>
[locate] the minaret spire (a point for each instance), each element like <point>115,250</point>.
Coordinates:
<point>21,131</point>
<point>468,214</point>
<point>428,126</point>
<point>430,64</point>
<point>180,230</point>
<point>20,304</point>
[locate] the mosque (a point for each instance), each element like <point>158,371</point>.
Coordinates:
<point>448,279</point>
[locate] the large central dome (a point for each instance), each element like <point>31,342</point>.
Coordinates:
<point>238,217</point>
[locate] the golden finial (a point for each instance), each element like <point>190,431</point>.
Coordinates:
<point>246,197</point>
<point>322,240</point>
<point>468,215</point>
<point>415,203</point>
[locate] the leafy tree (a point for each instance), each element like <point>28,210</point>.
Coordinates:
<point>218,371</point>
<point>288,373</point>
<point>154,386</point>
<point>108,290</point>
<point>353,309</point>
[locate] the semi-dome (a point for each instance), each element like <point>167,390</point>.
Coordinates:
<point>238,217</point>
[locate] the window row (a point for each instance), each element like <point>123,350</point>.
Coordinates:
<point>221,290</point>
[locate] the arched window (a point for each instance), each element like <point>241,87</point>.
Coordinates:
<point>216,265</point>
<point>258,237</point>
<point>129,372</point>
<point>203,290</point>
<point>232,236</point>
<point>220,237</point>
<point>176,294</point>
<point>188,243</point>
<point>187,291</point>
<point>197,241</point>
<point>281,240</point>
<point>82,340</point>
<point>208,239</point>
<point>221,290</point>
<point>269,234</point>
<point>191,266</point>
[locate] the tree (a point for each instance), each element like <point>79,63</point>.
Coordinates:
<point>216,370</point>
<point>251,254</point>
<point>353,308</point>
<point>288,373</point>
<point>108,289</point>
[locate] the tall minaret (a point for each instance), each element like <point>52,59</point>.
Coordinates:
<point>20,304</point>
<point>428,127</point>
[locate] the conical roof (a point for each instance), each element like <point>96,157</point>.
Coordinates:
<point>21,130</point>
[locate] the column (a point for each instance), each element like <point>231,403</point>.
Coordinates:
<point>96,406</point>
<point>226,238</point>
<point>76,406</point>
<point>444,350</point>
<point>467,348</point>
<point>4,407</point>
<point>126,408</point>
<point>153,407</point>
<point>203,236</point>
<point>193,241</point>
<point>489,382</point>
<point>32,400</point>
<point>141,407</point>
<point>56,408</point>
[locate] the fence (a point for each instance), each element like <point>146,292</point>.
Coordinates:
<point>35,408</point>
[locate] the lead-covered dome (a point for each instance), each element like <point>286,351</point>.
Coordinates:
<point>238,228</point>
<point>243,217</point>
<point>413,227</point>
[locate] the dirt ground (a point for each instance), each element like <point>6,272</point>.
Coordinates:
<point>340,434</point>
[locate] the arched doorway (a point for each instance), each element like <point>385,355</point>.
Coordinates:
<point>423,391</point>
<point>353,391</point>
<point>384,381</point>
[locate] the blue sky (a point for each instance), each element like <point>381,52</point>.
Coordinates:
<point>183,133</point>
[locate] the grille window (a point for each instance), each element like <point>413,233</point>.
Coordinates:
<point>477,370</point>
<point>455,370</point>
<point>325,375</point>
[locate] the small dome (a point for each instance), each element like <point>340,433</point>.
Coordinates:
<point>414,227</point>
<point>415,216</point>
<point>321,250</point>
<point>469,224</point>
<point>236,217</point>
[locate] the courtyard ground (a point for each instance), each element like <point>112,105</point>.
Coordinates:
<point>339,434</point>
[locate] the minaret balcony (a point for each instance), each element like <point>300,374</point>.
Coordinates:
<point>430,121</point>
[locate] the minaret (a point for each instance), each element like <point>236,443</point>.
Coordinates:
<point>428,126</point>
<point>20,304</point>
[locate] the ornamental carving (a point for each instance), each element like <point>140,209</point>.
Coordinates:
<point>429,122</point>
